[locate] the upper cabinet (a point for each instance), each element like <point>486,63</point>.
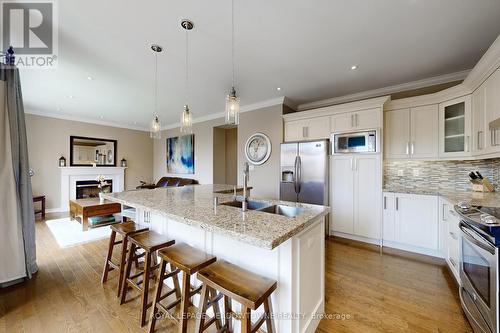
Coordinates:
<point>492,111</point>
<point>412,133</point>
<point>320,123</point>
<point>455,127</point>
<point>307,129</point>
<point>358,120</point>
<point>479,126</point>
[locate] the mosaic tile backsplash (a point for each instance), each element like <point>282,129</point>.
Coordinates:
<point>436,176</point>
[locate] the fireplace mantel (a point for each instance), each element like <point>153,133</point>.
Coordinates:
<point>70,175</point>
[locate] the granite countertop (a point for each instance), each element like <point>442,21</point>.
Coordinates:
<point>194,205</point>
<point>488,199</point>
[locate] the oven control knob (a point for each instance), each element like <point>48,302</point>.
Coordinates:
<point>464,205</point>
<point>488,219</point>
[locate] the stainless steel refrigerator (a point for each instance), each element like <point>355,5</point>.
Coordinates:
<point>304,172</point>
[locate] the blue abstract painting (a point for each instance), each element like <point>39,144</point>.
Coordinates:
<point>180,154</point>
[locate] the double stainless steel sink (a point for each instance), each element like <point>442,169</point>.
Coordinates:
<point>287,211</point>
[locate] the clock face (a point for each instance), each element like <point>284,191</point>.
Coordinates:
<point>258,148</point>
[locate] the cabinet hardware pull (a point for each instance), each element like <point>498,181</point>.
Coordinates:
<point>304,131</point>
<point>453,235</point>
<point>412,147</point>
<point>479,144</point>
<point>397,203</point>
<point>352,120</point>
<point>444,213</point>
<point>356,119</point>
<point>407,148</point>
<point>385,202</point>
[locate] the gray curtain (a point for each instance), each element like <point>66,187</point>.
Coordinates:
<point>20,164</point>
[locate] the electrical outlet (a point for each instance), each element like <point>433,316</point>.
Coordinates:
<point>416,172</point>
<point>401,173</point>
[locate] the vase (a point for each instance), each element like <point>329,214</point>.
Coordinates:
<point>101,199</point>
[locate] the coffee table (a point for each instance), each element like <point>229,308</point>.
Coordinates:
<point>85,208</point>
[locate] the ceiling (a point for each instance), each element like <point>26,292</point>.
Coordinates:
<point>304,47</point>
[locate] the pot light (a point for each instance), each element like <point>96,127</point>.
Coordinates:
<point>102,117</point>
<point>354,67</point>
<point>71,96</point>
<point>90,78</point>
<point>279,88</point>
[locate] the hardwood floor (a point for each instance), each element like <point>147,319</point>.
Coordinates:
<point>385,293</point>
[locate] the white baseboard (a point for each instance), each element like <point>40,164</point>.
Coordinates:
<point>394,245</point>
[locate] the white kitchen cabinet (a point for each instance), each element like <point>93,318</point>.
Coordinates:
<point>412,133</point>
<point>424,132</point>
<point>359,120</point>
<point>342,194</point>
<point>417,220</point>
<point>356,183</point>
<point>411,222</point>
<point>492,110</point>
<point>455,127</point>
<point>389,223</point>
<point>479,128</point>
<point>452,233</point>
<point>307,129</point>
<point>397,134</point>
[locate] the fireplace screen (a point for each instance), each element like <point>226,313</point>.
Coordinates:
<point>88,188</point>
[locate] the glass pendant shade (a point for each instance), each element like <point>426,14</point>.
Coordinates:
<point>155,130</point>
<point>232,108</point>
<point>186,121</point>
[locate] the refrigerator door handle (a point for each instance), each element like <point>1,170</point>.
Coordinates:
<point>295,178</point>
<point>299,173</point>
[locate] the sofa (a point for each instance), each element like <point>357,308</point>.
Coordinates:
<point>168,182</point>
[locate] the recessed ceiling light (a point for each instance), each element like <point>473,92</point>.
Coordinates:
<point>90,78</point>
<point>279,88</point>
<point>101,117</point>
<point>71,96</point>
<point>354,67</point>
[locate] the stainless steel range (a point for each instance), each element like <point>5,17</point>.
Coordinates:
<point>479,244</point>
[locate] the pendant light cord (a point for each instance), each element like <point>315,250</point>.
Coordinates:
<point>156,84</point>
<point>232,38</point>
<point>187,64</point>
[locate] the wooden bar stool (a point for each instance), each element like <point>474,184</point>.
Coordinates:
<point>235,283</point>
<point>188,260</point>
<point>125,230</point>
<point>150,242</point>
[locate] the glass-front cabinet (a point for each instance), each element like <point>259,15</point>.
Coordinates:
<point>455,127</point>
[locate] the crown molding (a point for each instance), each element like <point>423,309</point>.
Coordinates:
<point>244,108</point>
<point>487,65</point>
<point>88,120</point>
<point>386,90</point>
<point>365,104</point>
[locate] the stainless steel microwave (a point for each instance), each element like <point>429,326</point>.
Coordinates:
<point>355,142</point>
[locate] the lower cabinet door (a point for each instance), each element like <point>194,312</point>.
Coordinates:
<point>416,219</point>
<point>342,194</point>
<point>389,226</point>
<point>367,196</point>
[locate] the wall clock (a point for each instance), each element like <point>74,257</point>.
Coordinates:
<point>258,148</point>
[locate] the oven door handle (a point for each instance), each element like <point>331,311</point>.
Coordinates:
<point>484,243</point>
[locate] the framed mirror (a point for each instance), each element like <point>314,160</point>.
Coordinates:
<point>87,151</point>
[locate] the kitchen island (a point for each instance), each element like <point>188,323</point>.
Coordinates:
<point>270,242</point>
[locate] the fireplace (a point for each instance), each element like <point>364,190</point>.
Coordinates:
<point>88,188</point>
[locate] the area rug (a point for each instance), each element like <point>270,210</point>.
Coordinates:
<point>69,232</point>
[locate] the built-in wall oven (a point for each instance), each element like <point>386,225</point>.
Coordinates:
<point>355,142</point>
<point>479,269</point>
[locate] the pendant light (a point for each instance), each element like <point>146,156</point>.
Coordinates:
<point>232,101</point>
<point>186,116</point>
<point>155,128</point>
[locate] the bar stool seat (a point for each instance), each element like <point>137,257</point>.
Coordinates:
<point>235,283</point>
<point>150,242</point>
<point>187,260</point>
<point>124,230</point>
